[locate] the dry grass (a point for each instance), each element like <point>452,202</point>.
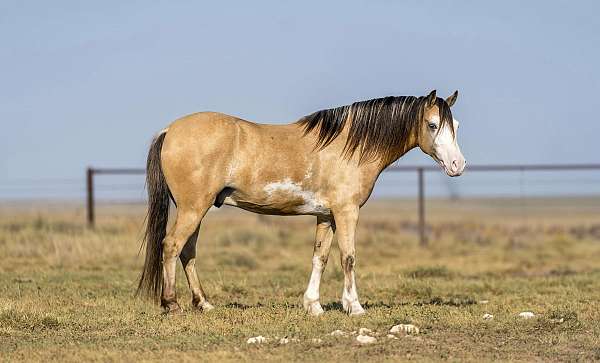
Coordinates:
<point>66,292</point>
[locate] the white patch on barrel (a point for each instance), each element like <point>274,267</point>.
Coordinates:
<point>287,186</point>
<point>308,174</point>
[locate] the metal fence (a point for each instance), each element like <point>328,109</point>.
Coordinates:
<point>420,171</point>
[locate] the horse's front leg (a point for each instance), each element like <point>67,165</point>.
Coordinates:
<point>346,219</point>
<point>323,238</point>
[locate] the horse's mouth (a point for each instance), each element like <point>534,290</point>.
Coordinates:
<point>442,165</point>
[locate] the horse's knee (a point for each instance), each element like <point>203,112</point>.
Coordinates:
<point>324,259</point>
<point>348,262</point>
<point>170,249</point>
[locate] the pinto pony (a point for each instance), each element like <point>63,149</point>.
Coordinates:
<point>325,165</point>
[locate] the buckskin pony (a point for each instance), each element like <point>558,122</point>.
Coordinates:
<point>324,164</point>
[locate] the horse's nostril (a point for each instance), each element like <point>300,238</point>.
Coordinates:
<point>454,165</point>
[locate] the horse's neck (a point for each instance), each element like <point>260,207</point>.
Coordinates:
<point>399,153</point>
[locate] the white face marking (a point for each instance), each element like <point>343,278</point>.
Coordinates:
<point>311,204</point>
<point>445,149</point>
<point>444,136</point>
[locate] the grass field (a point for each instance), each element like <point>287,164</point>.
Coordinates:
<point>66,291</point>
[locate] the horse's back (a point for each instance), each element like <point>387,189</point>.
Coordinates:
<point>205,122</point>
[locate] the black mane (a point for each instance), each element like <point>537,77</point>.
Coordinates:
<point>379,127</point>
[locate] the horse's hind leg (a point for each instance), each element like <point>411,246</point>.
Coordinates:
<point>187,222</point>
<point>188,260</point>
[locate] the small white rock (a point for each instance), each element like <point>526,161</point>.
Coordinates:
<point>390,336</point>
<point>364,331</point>
<point>256,340</point>
<point>406,328</point>
<point>526,315</point>
<point>283,341</point>
<point>484,302</point>
<point>365,339</point>
<point>337,333</point>
<point>317,340</point>
<point>487,316</point>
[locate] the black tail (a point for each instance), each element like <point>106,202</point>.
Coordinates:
<point>150,283</point>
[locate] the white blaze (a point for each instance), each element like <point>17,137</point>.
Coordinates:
<point>446,149</point>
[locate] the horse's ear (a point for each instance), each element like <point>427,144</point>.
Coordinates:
<point>431,98</point>
<point>452,98</point>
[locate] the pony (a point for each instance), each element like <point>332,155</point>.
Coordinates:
<point>325,164</point>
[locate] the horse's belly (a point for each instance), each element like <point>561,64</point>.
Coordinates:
<point>282,198</point>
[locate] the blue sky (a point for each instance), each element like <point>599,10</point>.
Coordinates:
<point>89,83</point>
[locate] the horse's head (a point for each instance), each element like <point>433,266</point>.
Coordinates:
<point>438,134</point>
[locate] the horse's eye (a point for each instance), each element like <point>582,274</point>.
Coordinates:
<point>432,126</point>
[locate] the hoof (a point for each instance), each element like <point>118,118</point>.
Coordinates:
<point>313,307</point>
<point>204,306</point>
<point>357,311</point>
<point>353,308</point>
<point>172,309</point>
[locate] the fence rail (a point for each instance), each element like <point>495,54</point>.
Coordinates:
<point>420,170</point>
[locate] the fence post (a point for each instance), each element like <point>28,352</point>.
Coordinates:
<point>422,233</point>
<point>90,196</point>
